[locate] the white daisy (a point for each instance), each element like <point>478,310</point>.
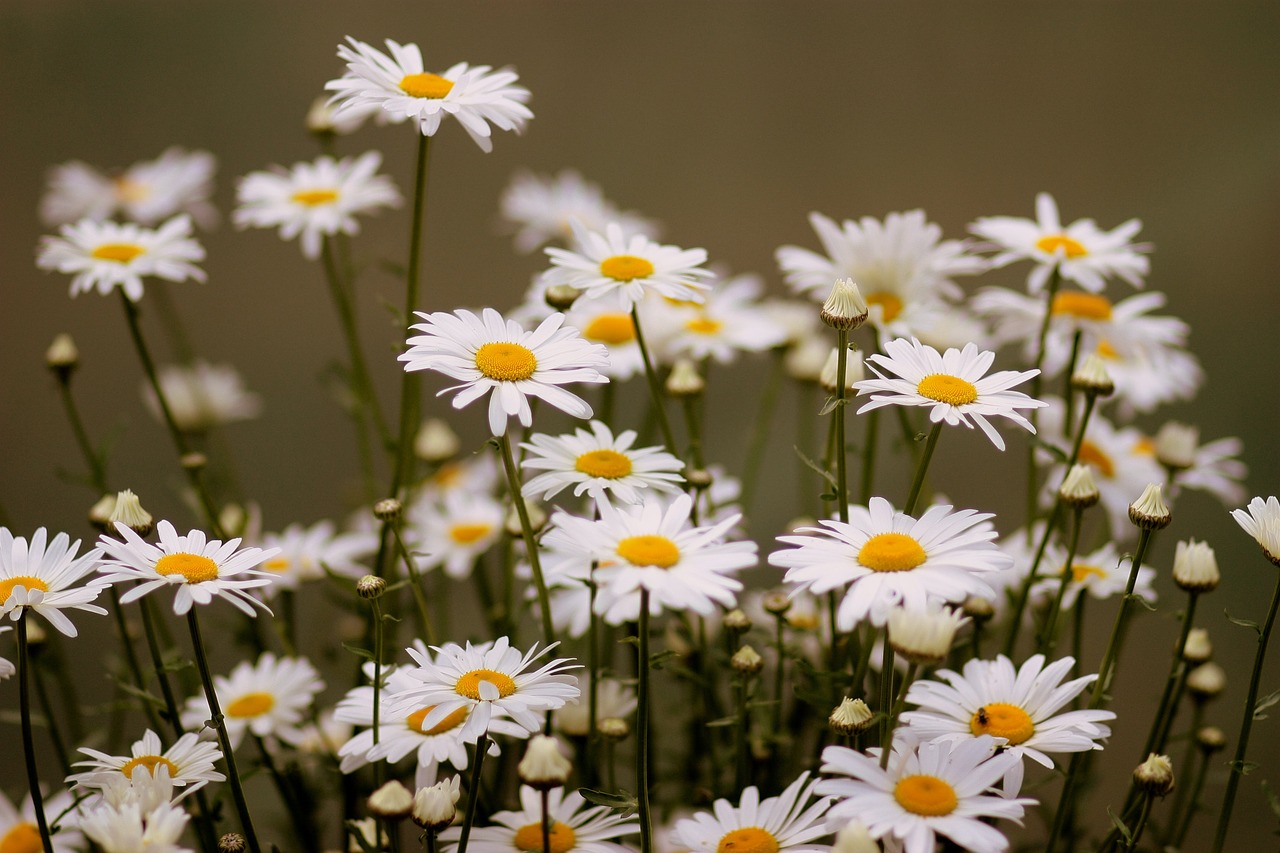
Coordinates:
<point>147,192</point>
<point>201,395</point>
<point>202,568</point>
<point>20,833</point>
<point>475,474</point>
<point>39,575</point>
<point>455,532</point>
<point>7,669</point>
<point>268,698</point>
<point>129,829</point>
<point>607,321</point>
<point>189,762</point>
<point>1101,574</point>
<point>599,465</point>
<point>729,322</point>
<point>309,553</point>
<point>789,821</point>
<point>631,265</point>
<point>105,254</point>
<point>1020,707</point>
<point>889,559</point>
<point>488,353</point>
<point>1082,252</point>
<point>316,200</point>
<point>1261,520</point>
<point>1216,470</point>
<point>1150,376</point>
<point>400,86</point>
<point>541,209</point>
<point>930,790</point>
<point>574,829</point>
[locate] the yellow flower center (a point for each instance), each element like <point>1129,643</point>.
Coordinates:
<point>7,585</point>
<point>469,684</point>
<point>150,762</point>
<point>704,326</point>
<point>946,388</point>
<point>465,534</point>
<point>751,839</point>
<point>1071,248</point>
<point>927,796</point>
<point>890,304</point>
<point>130,191</point>
<point>506,362</point>
<point>22,838</point>
<point>279,565</point>
<point>315,198</point>
<point>1081,573</point>
<point>450,474</point>
<point>649,551</point>
<point>425,85</point>
<point>1144,447</point>
<point>609,464</point>
<point>1092,454</point>
<point>1086,306</point>
<point>626,267</point>
<point>193,567</point>
<point>803,621</point>
<point>251,705</point>
<point>891,552</point>
<point>449,723</point>
<point>529,838</point>
<point>1000,719</point>
<point>121,253</point>
<point>611,329</point>
<point>1107,351</point>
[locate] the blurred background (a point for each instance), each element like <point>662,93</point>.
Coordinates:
<point>728,122</point>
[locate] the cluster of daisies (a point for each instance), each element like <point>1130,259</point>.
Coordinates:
<point>894,707</point>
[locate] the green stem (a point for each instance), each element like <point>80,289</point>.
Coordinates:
<point>841,453</point>
<point>760,428</point>
<point>1037,386</point>
<point>416,585</point>
<point>302,827</point>
<point>655,388</point>
<point>693,423</point>
<point>1138,827</point>
<point>28,739</point>
<point>51,721</point>
<point>131,658</point>
<point>589,770</point>
<point>869,440</point>
<point>642,726</point>
<point>530,542</point>
<point>1068,388</point>
<point>886,695</point>
<point>1168,706</point>
<point>1182,817</point>
<point>546,820</point>
<point>1105,670</point>
<point>898,706</point>
<point>473,793</point>
<point>922,467</point>
<point>157,661</point>
<point>1048,637</point>
<point>97,465</point>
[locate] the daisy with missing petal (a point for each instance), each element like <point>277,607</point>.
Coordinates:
<point>202,568</point>
<point>541,209</point>
<point>953,385</point>
<point>400,86</point>
<point>490,354</point>
<point>147,192</point>
<point>315,200</point>
<point>574,829</point>
<point>202,396</point>
<point>930,790</point>
<point>38,575</point>
<point>599,465</point>
<point>630,265</point>
<point>268,698</point>
<point>888,559</point>
<point>189,762</point>
<point>105,254</point>
<point>1261,520</point>
<point>1082,252</point>
<point>789,821</point>
<point>1022,707</point>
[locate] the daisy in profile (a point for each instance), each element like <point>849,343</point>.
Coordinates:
<point>1023,707</point>
<point>308,553</point>
<point>268,698</point>
<point>189,762</point>
<point>1082,252</point>
<point>102,255</point>
<point>599,465</point>
<point>490,354</point>
<point>202,568</point>
<point>574,829</point>
<point>790,821</point>
<point>202,396</point>
<point>455,532</point>
<point>1100,574</point>
<point>953,385</point>
<point>41,576</point>
<point>398,84</point>
<point>1261,520</point>
<point>20,832</point>
<point>628,264</point>
<point>729,322</point>
<point>885,559</point>
<point>1216,469</point>
<point>935,789</point>
<point>147,192</point>
<point>314,200</point>
<point>541,208</point>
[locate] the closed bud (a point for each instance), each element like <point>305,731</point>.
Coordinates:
<point>387,509</point>
<point>851,717</point>
<point>100,512</point>
<point>1079,489</point>
<point>544,767</point>
<point>1091,377</point>
<point>685,380</point>
<point>370,587</point>
<point>62,357</point>
<point>436,806</point>
<point>700,478</point>
<point>747,661</point>
<point>129,512</point>
<point>1176,445</point>
<point>978,608</point>
<point>1206,681</point>
<point>845,309</point>
<point>1198,648</point>
<point>1195,569</point>
<point>1155,776</point>
<point>561,296</point>
<point>1211,739</point>
<point>393,801</point>
<point>777,603</point>
<point>737,621</point>
<point>193,461</point>
<point>923,636</point>
<point>854,838</point>
<point>1149,511</point>
<point>435,442</point>
<point>613,728</point>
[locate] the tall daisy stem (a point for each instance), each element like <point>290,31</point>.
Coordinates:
<point>1037,385</point>
<point>642,725</point>
<point>530,541</point>
<point>841,453</point>
<point>416,585</point>
<point>1049,634</point>
<point>760,429</point>
<point>1167,708</point>
<point>28,739</point>
<point>655,388</point>
<point>546,820</point>
<point>922,468</point>
<point>473,793</point>
<point>898,706</point>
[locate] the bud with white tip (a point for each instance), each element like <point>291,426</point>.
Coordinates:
<point>62,357</point>
<point>1079,489</point>
<point>685,380</point>
<point>852,717</point>
<point>1155,776</point>
<point>544,767</point>
<point>1149,511</point>
<point>1195,568</point>
<point>747,661</point>
<point>1176,445</point>
<point>393,801</point>
<point>435,807</point>
<point>924,636</point>
<point>1091,377</point>
<point>129,512</point>
<point>845,309</point>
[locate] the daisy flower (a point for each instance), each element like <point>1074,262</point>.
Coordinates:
<point>729,322</point>
<point>475,474</point>
<point>202,568</point>
<point>574,829</point>
<point>1261,520</point>
<point>788,821</point>
<point>308,553</point>
<point>933,789</point>
<point>599,465</point>
<point>1082,252</point>
<point>953,385</point>
<point>653,546</point>
<point>202,395</point>
<point>540,209</point>
<point>178,181</point>
<point>105,254</point>
<point>454,533</point>
<point>1101,574</point>
<point>128,829</point>
<point>1023,708</point>
<point>607,321</point>
<point>1148,377</point>
<point>400,86</point>
<point>888,559</point>
<point>268,698</point>
<point>631,265</point>
<point>20,832</point>
<point>314,200</point>
<point>488,353</point>
<point>189,762</point>
<point>1216,470</point>
<point>38,575</point>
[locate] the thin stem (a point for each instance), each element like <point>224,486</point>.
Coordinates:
<point>131,657</point>
<point>1048,637</point>
<point>530,542</point>
<point>642,726</point>
<point>693,424</point>
<point>1068,389</point>
<point>589,769</point>
<point>922,467</point>
<point>304,828</point>
<point>28,739</point>
<point>869,455</point>
<point>97,465</point>
<point>1168,706</point>
<point>473,793</point>
<point>742,753</point>
<point>157,661</point>
<point>51,721</point>
<point>1097,699</point>
<point>760,428</point>
<point>886,695</point>
<point>1037,385</point>
<point>841,454</point>
<point>1138,827</point>
<point>546,820</point>
<point>655,389</point>
<point>415,584</point>
<point>912,669</point>
<point>1183,817</point>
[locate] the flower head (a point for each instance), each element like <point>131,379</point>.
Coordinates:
<point>268,698</point>
<point>147,192</point>
<point>790,821</point>
<point>541,209</point>
<point>1261,520</point>
<point>39,575</point>
<point>189,761</point>
<point>201,395</point>
<point>598,464</point>
<point>574,829</point>
<point>631,265</point>
<point>103,255</point>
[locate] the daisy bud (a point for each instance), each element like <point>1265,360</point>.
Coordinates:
<point>436,442</point>
<point>747,661</point>
<point>923,636</point>
<point>233,518</point>
<point>851,717</point>
<point>845,309</point>
<point>1091,377</point>
<point>543,766</point>
<point>737,621</point>
<point>62,357</point>
<point>100,512</point>
<point>805,360</point>
<point>1198,648</point>
<point>978,608</point>
<point>537,519</point>
<point>1079,490</point>
<point>1194,567</point>
<point>1206,681</point>
<point>129,512</point>
<point>777,603</point>
<point>561,296</point>
<point>1155,776</point>
<point>193,461</point>
<point>435,807</point>
<point>1176,445</point>
<point>700,478</point>
<point>319,118</point>
<point>685,381</point>
<point>370,587</point>
<point>613,728</point>
<point>855,838</point>
<point>854,370</point>
<point>393,801</point>
<point>1149,511</point>
<point>232,842</point>
<point>387,509</point>
<point>1210,739</point>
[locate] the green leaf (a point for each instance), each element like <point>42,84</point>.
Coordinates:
<point>1264,703</point>
<point>658,658</point>
<point>1120,827</point>
<point>1243,623</point>
<point>357,651</point>
<point>815,467</point>
<point>1244,768</point>
<point>623,800</point>
<point>723,721</point>
<point>834,403</point>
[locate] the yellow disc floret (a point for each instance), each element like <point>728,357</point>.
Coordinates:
<point>1071,247</point>
<point>750,839</point>
<point>626,267</point>
<point>449,723</point>
<point>948,389</point>
<point>1092,454</point>
<point>1000,719</point>
<point>1080,573</point>
<point>469,684</point>
<point>506,362</point>
<point>22,837</point>
<point>251,705</point>
<point>609,464</point>
<point>704,326</point>
<point>193,567</point>
<point>890,304</point>
<point>150,763</point>
<point>891,552</point>
<point>560,839</point>
<point>425,85</point>
<point>611,329</point>
<point>925,795</point>
<point>315,198</point>
<point>466,534</point>
<point>1086,306</point>
<point>7,585</point>
<point>656,551</point>
<point>121,253</point>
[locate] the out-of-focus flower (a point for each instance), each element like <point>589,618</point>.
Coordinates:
<point>102,255</point>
